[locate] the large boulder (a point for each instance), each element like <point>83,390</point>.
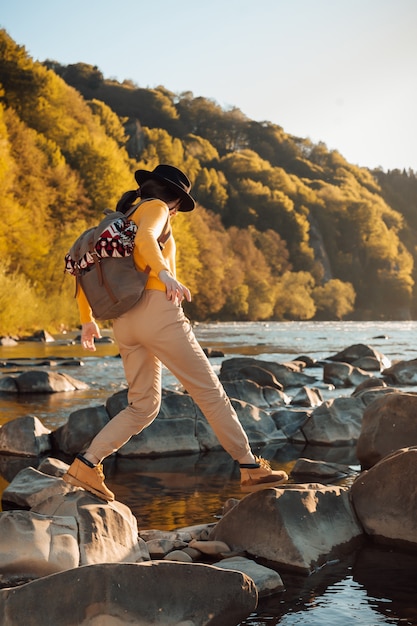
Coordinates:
<point>108,532</point>
<point>160,592</point>
<point>163,437</point>
<point>385,499</point>
<point>388,423</point>
<point>33,545</point>
<point>25,436</point>
<point>81,427</point>
<point>336,422</point>
<point>298,528</point>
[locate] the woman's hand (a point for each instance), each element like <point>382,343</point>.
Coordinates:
<point>176,291</point>
<point>88,332</point>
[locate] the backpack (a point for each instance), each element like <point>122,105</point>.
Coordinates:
<point>101,259</point>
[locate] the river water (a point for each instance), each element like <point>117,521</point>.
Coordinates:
<point>374,586</point>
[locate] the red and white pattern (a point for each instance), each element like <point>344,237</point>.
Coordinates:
<point>117,240</point>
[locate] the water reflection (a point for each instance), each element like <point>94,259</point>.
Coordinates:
<point>171,492</point>
<point>373,587</point>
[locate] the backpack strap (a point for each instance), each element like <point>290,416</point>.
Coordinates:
<point>163,237</point>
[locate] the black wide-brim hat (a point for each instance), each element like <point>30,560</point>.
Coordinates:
<point>174,179</point>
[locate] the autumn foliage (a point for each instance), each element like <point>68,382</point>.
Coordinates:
<point>284,228</point>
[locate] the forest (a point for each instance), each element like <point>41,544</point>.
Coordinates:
<point>285,229</point>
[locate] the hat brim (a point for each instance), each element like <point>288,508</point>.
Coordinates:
<point>187,201</point>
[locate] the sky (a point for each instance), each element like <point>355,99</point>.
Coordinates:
<point>341,72</point>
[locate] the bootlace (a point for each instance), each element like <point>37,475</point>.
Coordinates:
<point>99,469</point>
<point>263,463</point>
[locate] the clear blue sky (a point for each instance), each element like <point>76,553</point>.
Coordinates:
<point>338,71</point>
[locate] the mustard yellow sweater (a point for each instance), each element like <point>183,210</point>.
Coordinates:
<point>151,217</point>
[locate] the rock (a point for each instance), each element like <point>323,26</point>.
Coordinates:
<point>8,384</point>
<point>388,423</point>
<point>178,555</point>
<point>267,581</point>
<point>305,360</point>
<point>385,499</point>
<point>336,422</point>
<point>81,427</point>
<point>252,372</point>
<point>319,470</point>
<point>401,373</point>
<point>133,593</point>
<point>178,405</point>
<point>213,354</point>
<point>159,548</point>
<point>360,351</point>
<point>368,364</point>
<point>367,396</point>
<point>40,335</point>
<point>287,375</point>
<point>53,467</point>
<point>25,436</point>
<point>343,374</point>
<point>163,437</point>
<point>249,391</point>
<point>8,341</point>
<point>307,397</point>
<point>369,383</point>
<point>31,487</point>
<point>33,545</point>
<point>258,424</point>
<point>290,420</point>
<point>213,548</point>
<point>298,528</point>
<point>107,532</point>
<point>117,402</point>
<point>47,382</point>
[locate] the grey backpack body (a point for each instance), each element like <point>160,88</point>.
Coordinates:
<point>110,280</point>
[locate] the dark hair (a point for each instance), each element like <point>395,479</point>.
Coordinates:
<point>149,189</point>
<point>155,189</point>
<point>126,201</point>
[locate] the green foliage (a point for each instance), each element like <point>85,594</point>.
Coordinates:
<point>285,228</point>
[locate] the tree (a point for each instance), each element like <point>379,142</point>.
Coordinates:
<point>334,300</point>
<point>294,299</point>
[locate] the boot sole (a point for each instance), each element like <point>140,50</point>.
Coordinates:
<point>71,480</point>
<point>261,486</point>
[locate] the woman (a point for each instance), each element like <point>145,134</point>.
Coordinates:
<point>156,331</point>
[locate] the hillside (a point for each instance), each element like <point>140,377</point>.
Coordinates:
<point>285,228</point>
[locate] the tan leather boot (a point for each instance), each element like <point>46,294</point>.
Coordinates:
<point>254,477</point>
<point>82,473</point>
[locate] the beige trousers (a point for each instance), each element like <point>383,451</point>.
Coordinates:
<point>155,330</point>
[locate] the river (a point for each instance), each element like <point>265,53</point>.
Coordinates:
<point>375,586</point>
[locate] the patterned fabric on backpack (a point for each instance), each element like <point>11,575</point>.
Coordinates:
<point>117,240</point>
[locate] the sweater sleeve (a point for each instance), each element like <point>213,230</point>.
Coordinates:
<point>86,314</point>
<point>151,218</point>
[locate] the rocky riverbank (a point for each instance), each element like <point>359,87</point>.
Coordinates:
<point>56,541</point>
